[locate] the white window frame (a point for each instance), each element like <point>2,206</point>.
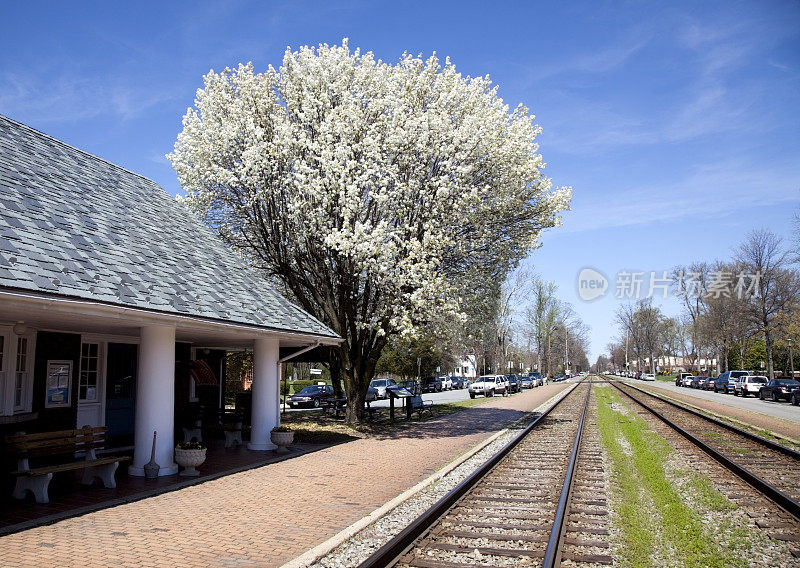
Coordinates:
<point>27,373</point>
<point>4,343</point>
<point>8,372</point>
<point>100,363</point>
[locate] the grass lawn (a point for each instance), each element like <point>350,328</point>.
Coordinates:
<point>323,428</point>
<point>658,525</point>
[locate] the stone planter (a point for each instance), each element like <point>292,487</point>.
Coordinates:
<point>189,460</point>
<point>281,439</point>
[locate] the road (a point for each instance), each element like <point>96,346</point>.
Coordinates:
<point>777,409</point>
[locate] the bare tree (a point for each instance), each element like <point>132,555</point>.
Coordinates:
<point>541,316</point>
<point>692,286</point>
<point>513,292</point>
<point>773,287</point>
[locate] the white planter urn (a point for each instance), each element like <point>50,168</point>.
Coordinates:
<point>281,439</point>
<point>189,460</point>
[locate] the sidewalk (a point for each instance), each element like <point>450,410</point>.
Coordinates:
<point>269,515</point>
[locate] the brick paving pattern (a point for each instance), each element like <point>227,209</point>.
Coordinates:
<point>269,515</point>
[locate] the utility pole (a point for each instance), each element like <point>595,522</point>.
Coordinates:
<point>566,350</point>
<point>626,351</point>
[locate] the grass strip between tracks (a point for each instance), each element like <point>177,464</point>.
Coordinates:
<point>638,457</point>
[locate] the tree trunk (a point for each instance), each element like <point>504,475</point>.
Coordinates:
<point>768,341</point>
<point>358,367</point>
<point>335,367</point>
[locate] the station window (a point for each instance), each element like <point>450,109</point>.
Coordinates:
<point>21,375</point>
<point>89,372</point>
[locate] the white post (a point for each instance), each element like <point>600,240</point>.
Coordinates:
<point>155,400</point>
<point>264,412</point>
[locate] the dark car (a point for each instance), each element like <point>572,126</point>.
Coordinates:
<point>412,386</point>
<point>458,382</point>
<point>513,384</point>
<point>795,400</point>
<point>777,389</point>
<point>432,384</point>
<point>701,382</point>
<point>312,396</point>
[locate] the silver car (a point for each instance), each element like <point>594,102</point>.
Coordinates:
<point>380,386</point>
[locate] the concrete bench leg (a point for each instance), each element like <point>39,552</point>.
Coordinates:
<point>104,472</point>
<point>233,437</point>
<point>36,484</point>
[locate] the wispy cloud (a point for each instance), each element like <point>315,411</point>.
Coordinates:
<point>71,97</point>
<point>724,188</point>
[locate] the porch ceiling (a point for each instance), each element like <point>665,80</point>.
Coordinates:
<point>76,316</point>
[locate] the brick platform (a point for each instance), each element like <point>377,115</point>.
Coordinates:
<point>269,515</point>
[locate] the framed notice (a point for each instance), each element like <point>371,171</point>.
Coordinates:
<point>59,384</point>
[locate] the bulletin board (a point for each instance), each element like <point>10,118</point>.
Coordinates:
<point>58,388</point>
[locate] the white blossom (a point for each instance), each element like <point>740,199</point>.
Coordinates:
<point>368,188</point>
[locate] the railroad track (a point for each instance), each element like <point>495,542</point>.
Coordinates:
<point>536,502</point>
<point>769,468</point>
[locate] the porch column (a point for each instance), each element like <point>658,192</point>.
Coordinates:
<point>155,400</point>
<point>265,390</point>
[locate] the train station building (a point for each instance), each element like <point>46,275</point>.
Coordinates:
<point>118,306</point>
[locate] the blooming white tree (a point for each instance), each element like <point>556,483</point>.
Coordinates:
<point>373,191</point>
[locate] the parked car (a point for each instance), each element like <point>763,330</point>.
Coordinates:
<point>447,383</point>
<point>526,382</point>
<point>414,387</point>
<point>795,400</point>
<point>680,377</point>
<point>380,386</point>
<point>513,384</point>
<point>648,377</point>
<point>726,381</point>
<point>776,389</point>
<point>432,384</point>
<point>311,396</point>
<point>748,384</point>
<point>488,385</point>
<point>701,382</point>
<point>537,379</point>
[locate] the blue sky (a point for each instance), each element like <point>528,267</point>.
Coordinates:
<point>677,124</point>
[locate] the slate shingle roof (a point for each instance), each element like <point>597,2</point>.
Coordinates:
<point>74,225</point>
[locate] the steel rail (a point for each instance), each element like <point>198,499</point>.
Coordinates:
<point>390,553</point>
<point>552,554</point>
<point>754,437</point>
<point>774,494</point>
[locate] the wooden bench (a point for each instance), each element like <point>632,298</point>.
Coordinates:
<point>54,452</point>
<point>419,406</point>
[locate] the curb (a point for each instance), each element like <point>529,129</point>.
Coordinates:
<point>309,557</point>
